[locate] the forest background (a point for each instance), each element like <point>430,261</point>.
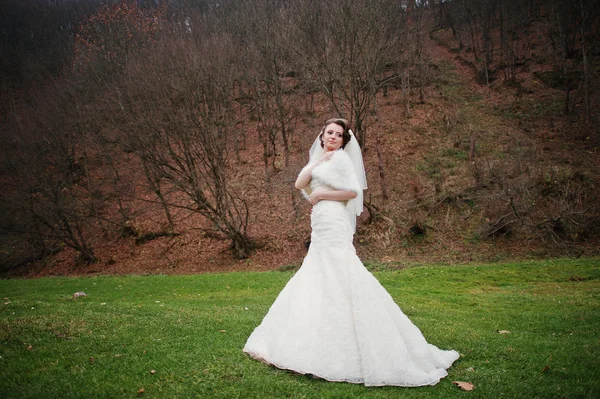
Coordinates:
<point>165,136</point>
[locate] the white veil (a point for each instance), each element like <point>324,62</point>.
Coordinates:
<point>355,205</point>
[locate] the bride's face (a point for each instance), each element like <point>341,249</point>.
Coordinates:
<point>333,137</point>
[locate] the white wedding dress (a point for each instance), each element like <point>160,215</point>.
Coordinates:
<point>335,321</point>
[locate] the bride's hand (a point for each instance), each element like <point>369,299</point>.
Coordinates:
<point>315,197</point>
<point>326,157</point>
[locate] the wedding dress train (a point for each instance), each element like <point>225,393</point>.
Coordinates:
<point>334,320</point>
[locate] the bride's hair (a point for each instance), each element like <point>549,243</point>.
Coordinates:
<point>340,122</point>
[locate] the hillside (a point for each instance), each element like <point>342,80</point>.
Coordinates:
<point>474,172</point>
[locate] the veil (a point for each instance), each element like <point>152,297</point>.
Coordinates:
<point>354,206</point>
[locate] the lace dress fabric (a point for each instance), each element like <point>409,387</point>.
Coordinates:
<point>334,320</point>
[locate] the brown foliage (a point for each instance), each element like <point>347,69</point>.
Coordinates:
<point>188,127</point>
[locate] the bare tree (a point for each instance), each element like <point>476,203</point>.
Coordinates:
<point>588,30</point>
<point>572,28</point>
<point>48,189</point>
<point>513,20</point>
<point>418,18</point>
<point>349,46</point>
<point>180,116</point>
<point>261,28</point>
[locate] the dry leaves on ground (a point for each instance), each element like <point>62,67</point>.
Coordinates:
<point>465,386</point>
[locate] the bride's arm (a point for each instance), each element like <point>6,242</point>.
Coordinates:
<point>306,173</point>
<point>304,177</point>
<point>332,195</point>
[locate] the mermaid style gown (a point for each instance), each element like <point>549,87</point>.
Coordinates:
<point>335,321</point>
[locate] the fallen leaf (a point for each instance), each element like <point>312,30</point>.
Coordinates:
<point>465,386</point>
<point>545,369</point>
<point>91,360</point>
<point>503,332</point>
<point>152,372</point>
<point>222,330</point>
<point>140,391</point>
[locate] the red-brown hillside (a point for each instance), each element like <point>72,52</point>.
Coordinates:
<point>476,173</point>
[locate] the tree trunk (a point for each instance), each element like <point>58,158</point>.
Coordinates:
<point>93,208</point>
<point>406,93</point>
<point>382,179</point>
<point>472,149</point>
<point>115,179</point>
<point>241,245</point>
<point>586,67</point>
<point>154,184</point>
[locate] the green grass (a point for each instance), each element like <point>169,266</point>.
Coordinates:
<point>191,330</point>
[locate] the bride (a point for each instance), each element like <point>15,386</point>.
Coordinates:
<point>333,319</point>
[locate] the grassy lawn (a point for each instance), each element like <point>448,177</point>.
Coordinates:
<point>190,330</point>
